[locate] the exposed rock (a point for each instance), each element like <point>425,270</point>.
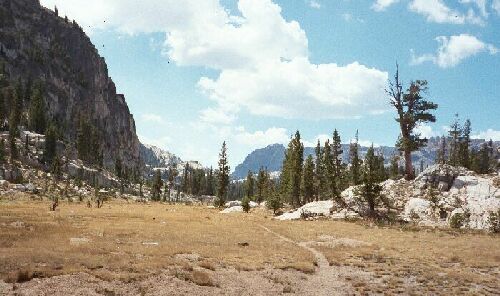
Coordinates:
<point>36,44</point>
<point>236,209</point>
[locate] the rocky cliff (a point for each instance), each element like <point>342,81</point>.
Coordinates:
<point>38,45</point>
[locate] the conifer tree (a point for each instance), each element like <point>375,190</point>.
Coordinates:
<point>223,177</point>
<point>37,111</point>
<point>319,177</point>
<point>185,179</point>
<point>245,204</point>
<point>157,185</point>
<point>2,151</point>
<point>337,176</point>
<point>355,161</point>
<point>412,109</point>
<point>463,150</point>
<point>3,110</point>
<point>249,185</point>
<point>328,171</point>
<point>262,180</point>
<point>394,168</point>
<point>210,182</point>
<point>441,153</point>
<point>49,152</point>
<point>370,190</point>
<point>308,180</point>
<point>291,176</point>
<point>455,133</point>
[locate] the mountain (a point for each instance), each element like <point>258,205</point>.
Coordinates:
<point>272,156</point>
<point>38,45</point>
<point>157,158</point>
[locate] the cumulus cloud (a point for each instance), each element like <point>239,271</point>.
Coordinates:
<point>381,5</point>
<point>453,50</point>
<point>425,131</point>
<point>259,139</point>
<point>262,59</point>
<point>489,134</point>
<point>300,89</point>
<point>436,11</point>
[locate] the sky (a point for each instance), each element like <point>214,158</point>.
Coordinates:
<point>196,73</point>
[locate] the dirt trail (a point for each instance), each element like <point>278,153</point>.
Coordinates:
<point>327,280</point>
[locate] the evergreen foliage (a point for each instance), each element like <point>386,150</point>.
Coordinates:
<point>245,204</point>
<point>223,177</point>
<point>308,180</point>
<point>370,190</point>
<point>2,151</point>
<point>262,183</point>
<point>37,121</point>
<point>319,177</point>
<point>157,185</point>
<point>49,152</point>
<point>250,185</point>
<point>292,171</point>
<point>355,161</point>
<point>412,109</point>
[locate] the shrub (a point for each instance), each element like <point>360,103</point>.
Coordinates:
<point>459,220</point>
<point>274,203</point>
<point>245,203</point>
<point>494,221</point>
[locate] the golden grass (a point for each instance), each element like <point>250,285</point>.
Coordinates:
<point>128,241</point>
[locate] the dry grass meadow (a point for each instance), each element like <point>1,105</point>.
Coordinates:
<point>195,250</point>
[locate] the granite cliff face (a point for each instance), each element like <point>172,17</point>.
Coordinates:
<point>36,44</point>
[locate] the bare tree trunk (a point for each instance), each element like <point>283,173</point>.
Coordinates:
<point>408,166</point>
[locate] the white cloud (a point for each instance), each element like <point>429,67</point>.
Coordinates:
<point>299,89</point>
<point>261,139</point>
<point>263,59</point>
<point>314,4</point>
<point>489,134</point>
<point>480,4</point>
<point>453,50</point>
<point>425,131</point>
<point>436,11</point>
<point>381,5</point>
<point>217,115</point>
<point>153,118</point>
<point>496,6</point>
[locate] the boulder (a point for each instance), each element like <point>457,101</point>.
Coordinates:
<point>417,208</point>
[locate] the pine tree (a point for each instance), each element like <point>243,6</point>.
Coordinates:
<point>245,204</point>
<point>49,152</point>
<point>441,153</point>
<point>223,177</point>
<point>185,179</point>
<point>319,177</point>
<point>250,185</point>
<point>3,109</point>
<point>337,176</point>
<point>262,180</point>
<point>157,185</point>
<point>370,190</point>
<point>308,180</point>
<point>328,171</point>
<point>463,150</point>
<point>394,168</point>
<point>210,182</point>
<point>37,120</point>
<point>355,161</point>
<point>2,151</point>
<point>291,176</point>
<point>455,133</point>
<point>481,160</point>
<point>412,109</point>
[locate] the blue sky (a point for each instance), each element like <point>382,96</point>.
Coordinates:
<point>251,72</point>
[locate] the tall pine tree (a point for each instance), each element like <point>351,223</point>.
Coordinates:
<point>37,119</point>
<point>223,177</point>
<point>355,161</point>
<point>308,180</point>
<point>412,109</point>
